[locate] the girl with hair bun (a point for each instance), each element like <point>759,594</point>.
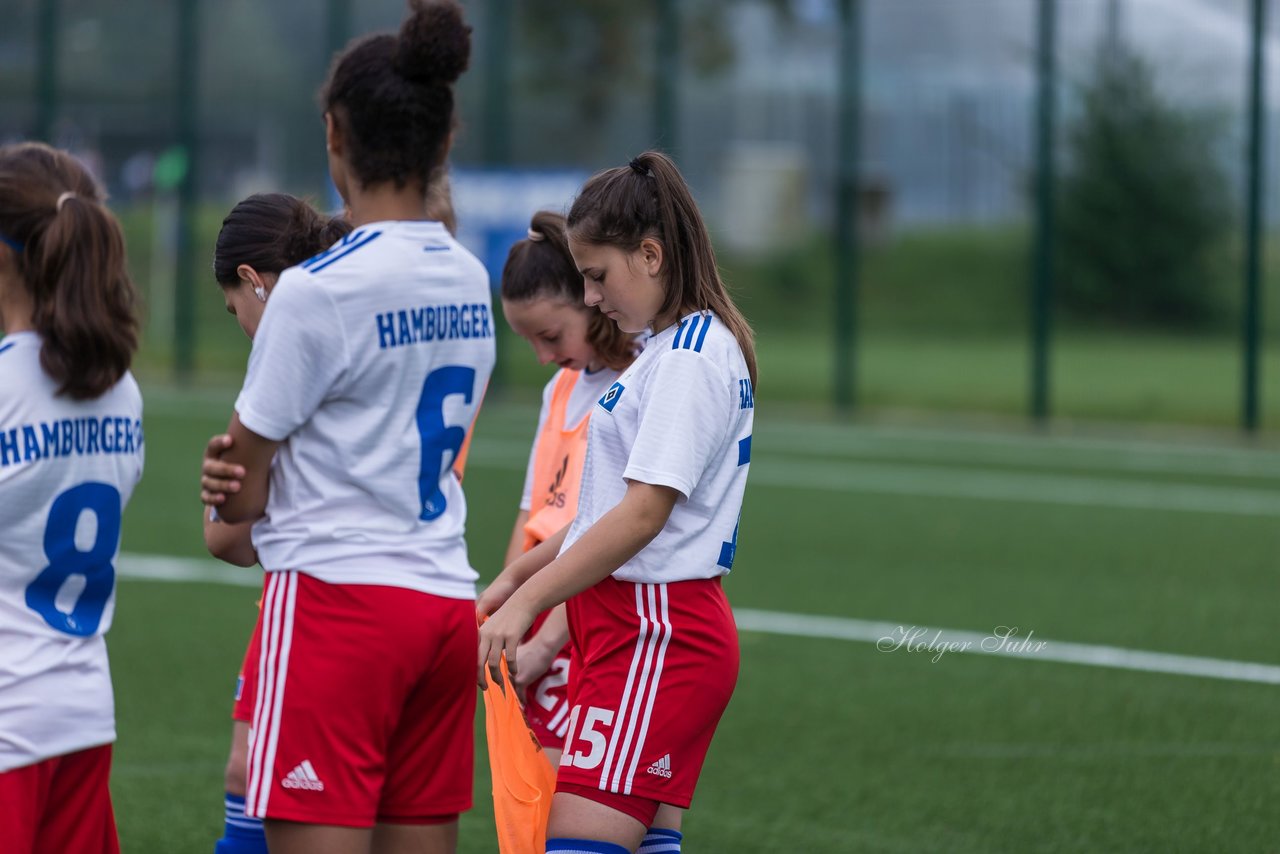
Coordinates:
<point>366,371</point>
<point>654,641</point>
<point>71,453</point>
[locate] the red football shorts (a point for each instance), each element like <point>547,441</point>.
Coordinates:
<point>655,665</point>
<point>546,705</point>
<point>247,680</point>
<point>59,806</point>
<point>364,704</point>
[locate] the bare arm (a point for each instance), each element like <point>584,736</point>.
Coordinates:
<point>516,546</point>
<point>617,537</point>
<point>519,571</point>
<point>253,453</point>
<point>231,543</point>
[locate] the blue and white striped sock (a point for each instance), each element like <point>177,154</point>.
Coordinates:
<point>583,846</point>
<point>243,835</point>
<point>660,840</point>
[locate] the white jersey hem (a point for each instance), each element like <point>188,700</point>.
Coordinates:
<point>367,578</point>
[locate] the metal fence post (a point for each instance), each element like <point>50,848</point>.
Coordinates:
<point>1042,270</point>
<point>187,109</point>
<point>666,73</point>
<point>497,83</point>
<point>848,152</point>
<point>1252,333</point>
<point>46,71</point>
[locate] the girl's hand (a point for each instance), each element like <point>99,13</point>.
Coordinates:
<point>218,479</point>
<point>535,660</point>
<point>496,594</point>
<point>501,634</point>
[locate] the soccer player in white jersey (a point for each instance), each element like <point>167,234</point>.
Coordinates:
<point>657,524</point>
<point>71,452</point>
<point>365,374</point>
<point>544,302</point>
<point>260,238</point>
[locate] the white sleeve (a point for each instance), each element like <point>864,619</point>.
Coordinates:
<point>526,497</point>
<point>298,355</point>
<point>685,415</point>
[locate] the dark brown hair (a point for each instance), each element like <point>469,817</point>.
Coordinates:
<point>72,263</point>
<point>272,232</point>
<point>391,96</point>
<point>649,199</point>
<point>542,268</point>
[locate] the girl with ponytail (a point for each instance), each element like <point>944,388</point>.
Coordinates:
<point>366,370</point>
<point>656,525</point>
<point>71,448</point>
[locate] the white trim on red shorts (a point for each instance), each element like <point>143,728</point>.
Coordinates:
<point>665,621</point>
<point>559,723</point>
<point>641,688</point>
<point>273,667</point>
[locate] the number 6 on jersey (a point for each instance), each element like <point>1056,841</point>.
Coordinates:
<point>437,438</point>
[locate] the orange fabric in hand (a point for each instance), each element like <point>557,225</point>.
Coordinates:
<point>523,779</point>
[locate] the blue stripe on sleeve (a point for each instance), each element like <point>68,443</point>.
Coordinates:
<point>702,336</point>
<point>675,342</point>
<point>744,451</point>
<point>693,328</point>
<point>8,346</point>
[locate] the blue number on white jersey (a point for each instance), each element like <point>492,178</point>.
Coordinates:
<point>437,439</point>
<point>66,559</point>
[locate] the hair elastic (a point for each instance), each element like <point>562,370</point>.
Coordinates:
<point>536,236</point>
<point>639,168</point>
<point>63,199</point>
<point>15,245</point>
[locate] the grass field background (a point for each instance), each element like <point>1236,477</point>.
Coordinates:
<point>1162,542</point>
<point>942,328</point>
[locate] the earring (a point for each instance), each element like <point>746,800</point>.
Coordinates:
<point>260,292</point>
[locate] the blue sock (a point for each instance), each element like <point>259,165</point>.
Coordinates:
<point>583,846</point>
<point>660,840</point>
<point>243,835</point>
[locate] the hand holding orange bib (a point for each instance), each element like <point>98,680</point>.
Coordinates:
<point>523,779</point>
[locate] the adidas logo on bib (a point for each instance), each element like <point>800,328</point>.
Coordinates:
<point>303,777</point>
<point>662,768</point>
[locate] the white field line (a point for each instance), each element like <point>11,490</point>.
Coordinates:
<point>905,638</point>
<point>966,483</point>
<point>1229,446</point>
<point>898,638</point>
<point>1021,453</point>
<point>186,569</point>
<point>984,484</point>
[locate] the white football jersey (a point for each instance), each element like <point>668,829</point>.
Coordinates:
<point>586,391</point>
<point>67,469</point>
<point>369,366</point>
<point>679,416</point>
